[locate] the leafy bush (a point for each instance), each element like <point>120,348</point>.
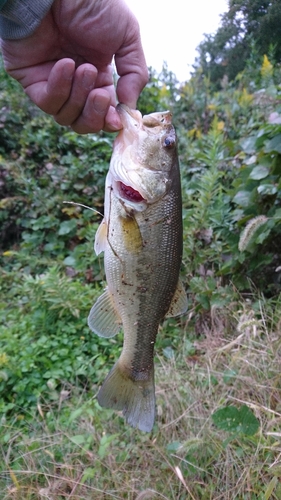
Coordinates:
<point>45,341</point>
<point>50,276</point>
<point>229,147</point>
<point>231,176</point>
<point>41,166</point>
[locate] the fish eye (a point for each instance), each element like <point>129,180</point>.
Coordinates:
<point>169,142</point>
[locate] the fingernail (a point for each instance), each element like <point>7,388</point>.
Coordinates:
<point>88,79</point>
<point>68,71</point>
<point>100,104</point>
<point>113,122</point>
<point>115,125</point>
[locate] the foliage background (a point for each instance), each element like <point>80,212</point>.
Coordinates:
<point>217,369</point>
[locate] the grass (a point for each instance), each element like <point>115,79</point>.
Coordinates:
<point>218,383</point>
<point>75,450</point>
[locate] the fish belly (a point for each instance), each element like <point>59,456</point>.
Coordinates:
<point>142,262</point>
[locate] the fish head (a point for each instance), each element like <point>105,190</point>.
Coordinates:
<point>144,153</point>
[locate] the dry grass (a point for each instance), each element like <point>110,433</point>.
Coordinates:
<point>93,455</point>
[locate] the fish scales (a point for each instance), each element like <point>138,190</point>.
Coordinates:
<point>141,237</point>
<point>146,280</point>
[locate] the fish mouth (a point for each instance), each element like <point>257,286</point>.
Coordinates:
<point>133,120</point>
<point>129,117</point>
<point>138,170</point>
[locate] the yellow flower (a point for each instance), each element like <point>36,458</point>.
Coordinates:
<point>164,92</point>
<point>217,125</point>
<point>267,68</point>
<point>187,90</point>
<point>4,360</point>
<point>8,253</point>
<point>245,99</point>
<point>194,133</point>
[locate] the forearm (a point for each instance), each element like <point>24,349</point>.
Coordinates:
<point>20,18</point>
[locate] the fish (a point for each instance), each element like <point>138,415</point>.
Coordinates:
<point>141,236</point>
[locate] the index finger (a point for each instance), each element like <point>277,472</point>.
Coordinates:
<point>52,86</point>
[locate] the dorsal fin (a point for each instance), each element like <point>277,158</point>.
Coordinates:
<point>179,303</point>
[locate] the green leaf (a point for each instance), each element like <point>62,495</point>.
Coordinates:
<point>262,236</point>
<point>104,444</point>
<point>270,488</point>
<point>69,261</point>
<point>3,375</point>
<point>277,214</point>
<point>267,189</point>
<point>242,198</point>
<point>259,172</point>
<point>204,301</point>
<point>79,439</point>
<point>249,145</point>
<point>169,352</point>
<point>274,144</point>
<point>67,226</point>
<point>236,420</point>
<point>75,414</point>
<point>89,473</point>
<point>229,376</point>
<point>174,446</point>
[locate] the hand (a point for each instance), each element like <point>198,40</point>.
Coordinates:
<point>65,65</point>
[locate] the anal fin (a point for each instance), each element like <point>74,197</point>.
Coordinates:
<point>103,319</point>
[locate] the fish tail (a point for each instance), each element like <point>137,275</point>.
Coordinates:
<point>136,398</point>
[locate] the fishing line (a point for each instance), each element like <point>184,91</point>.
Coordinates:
<point>85,206</point>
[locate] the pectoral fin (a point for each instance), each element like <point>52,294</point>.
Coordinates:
<point>179,304</point>
<point>101,238</point>
<point>103,319</point>
<point>131,234</point>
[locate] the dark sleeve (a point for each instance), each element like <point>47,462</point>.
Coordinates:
<point>20,18</point>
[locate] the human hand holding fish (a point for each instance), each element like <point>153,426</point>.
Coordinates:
<point>65,65</point>
<point>141,237</point>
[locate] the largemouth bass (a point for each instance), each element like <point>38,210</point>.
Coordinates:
<point>141,236</point>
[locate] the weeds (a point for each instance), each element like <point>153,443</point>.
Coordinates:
<point>218,384</point>
<point>74,449</point>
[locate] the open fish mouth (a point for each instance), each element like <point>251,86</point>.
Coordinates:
<point>132,119</point>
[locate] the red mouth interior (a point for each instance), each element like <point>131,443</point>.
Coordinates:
<point>129,193</point>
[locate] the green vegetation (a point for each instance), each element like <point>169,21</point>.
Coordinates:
<point>249,27</point>
<point>218,381</point>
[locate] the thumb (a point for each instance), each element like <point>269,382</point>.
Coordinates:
<point>132,70</point>
<point>130,86</point>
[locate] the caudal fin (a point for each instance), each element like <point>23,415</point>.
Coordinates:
<point>135,398</point>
